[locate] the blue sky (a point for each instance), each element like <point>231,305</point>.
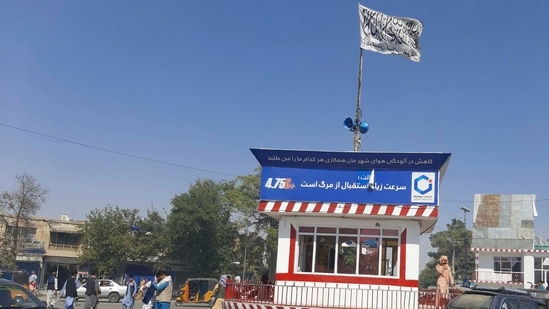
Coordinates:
<point>197,83</point>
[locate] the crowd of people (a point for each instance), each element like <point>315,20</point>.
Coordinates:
<point>154,294</point>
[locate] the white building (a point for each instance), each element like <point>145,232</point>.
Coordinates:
<point>349,225</point>
<point>507,252</point>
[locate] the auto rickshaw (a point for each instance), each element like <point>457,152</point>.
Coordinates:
<point>196,290</point>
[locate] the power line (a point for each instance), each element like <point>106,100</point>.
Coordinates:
<point>180,165</point>
<point>114,151</point>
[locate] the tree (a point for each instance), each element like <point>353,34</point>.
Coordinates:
<point>428,276</point>
<point>16,208</point>
<point>200,229</point>
<point>107,240</point>
<point>243,197</point>
<point>150,242</point>
<point>454,243</point>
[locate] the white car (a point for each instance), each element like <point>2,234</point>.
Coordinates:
<point>109,289</point>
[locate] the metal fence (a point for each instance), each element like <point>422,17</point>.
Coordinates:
<point>334,297</point>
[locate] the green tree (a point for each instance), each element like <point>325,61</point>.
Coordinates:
<point>258,235</point>
<point>200,230</point>
<point>149,240</point>
<point>16,208</point>
<point>428,276</point>
<point>454,243</point>
<point>107,239</point>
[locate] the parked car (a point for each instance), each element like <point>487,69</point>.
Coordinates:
<point>13,295</point>
<point>109,290</point>
<point>486,298</point>
<point>19,276</point>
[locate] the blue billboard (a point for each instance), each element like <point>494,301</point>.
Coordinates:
<point>330,160</point>
<point>350,186</point>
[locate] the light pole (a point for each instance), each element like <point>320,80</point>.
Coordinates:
<point>454,244</point>
<point>246,249</point>
<point>465,211</point>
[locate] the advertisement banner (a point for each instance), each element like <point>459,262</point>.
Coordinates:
<point>344,186</point>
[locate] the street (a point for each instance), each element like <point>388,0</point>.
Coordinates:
<point>104,304</point>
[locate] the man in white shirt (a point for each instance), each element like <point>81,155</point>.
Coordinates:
<point>33,278</point>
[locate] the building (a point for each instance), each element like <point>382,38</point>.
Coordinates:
<point>349,225</point>
<point>47,245</point>
<point>507,251</point>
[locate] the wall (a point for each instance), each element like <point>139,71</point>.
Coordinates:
<point>286,258</point>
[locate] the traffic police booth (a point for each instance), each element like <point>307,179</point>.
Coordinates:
<point>349,223</point>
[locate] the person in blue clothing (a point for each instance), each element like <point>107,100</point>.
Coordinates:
<point>164,288</point>
<point>52,289</point>
<point>148,295</point>
<point>131,291</point>
<point>69,290</point>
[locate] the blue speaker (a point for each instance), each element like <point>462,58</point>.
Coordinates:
<point>348,124</point>
<point>363,128</point>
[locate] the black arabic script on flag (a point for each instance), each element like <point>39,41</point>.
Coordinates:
<point>390,35</point>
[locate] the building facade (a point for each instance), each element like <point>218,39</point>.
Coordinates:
<point>46,245</point>
<point>507,251</point>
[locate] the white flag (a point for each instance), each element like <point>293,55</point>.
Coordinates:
<point>388,34</point>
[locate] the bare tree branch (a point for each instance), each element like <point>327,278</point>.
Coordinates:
<point>16,208</point>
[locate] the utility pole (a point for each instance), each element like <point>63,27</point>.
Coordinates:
<point>246,250</point>
<point>465,211</point>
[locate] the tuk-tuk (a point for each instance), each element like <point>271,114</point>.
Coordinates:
<point>196,290</point>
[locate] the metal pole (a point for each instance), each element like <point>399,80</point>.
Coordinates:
<point>245,253</point>
<point>453,259</point>
<point>358,111</point>
<point>465,211</point>
<point>246,250</point>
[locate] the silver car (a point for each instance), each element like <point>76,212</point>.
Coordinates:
<point>109,290</point>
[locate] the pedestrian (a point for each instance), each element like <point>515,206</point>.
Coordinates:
<point>444,282</point>
<point>69,290</point>
<point>92,291</point>
<point>148,295</point>
<point>220,289</point>
<point>131,291</point>
<point>33,278</point>
<point>51,289</point>
<point>139,294</point>
<point>265,290</point>
<point>163,287</point>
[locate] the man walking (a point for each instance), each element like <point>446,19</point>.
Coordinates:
<point>92,291</point>
<point>148,295</point>
<point>131,290</point>
<point>51,289</point>
<point>69,290</point>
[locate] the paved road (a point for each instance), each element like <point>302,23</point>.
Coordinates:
<point>105,304</point>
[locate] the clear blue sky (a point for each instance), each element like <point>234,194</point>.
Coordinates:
<point>197,83</point>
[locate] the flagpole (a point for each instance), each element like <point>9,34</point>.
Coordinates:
<point>358,110</point>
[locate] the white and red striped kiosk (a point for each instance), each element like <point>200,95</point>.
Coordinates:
<point>349,225</point>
